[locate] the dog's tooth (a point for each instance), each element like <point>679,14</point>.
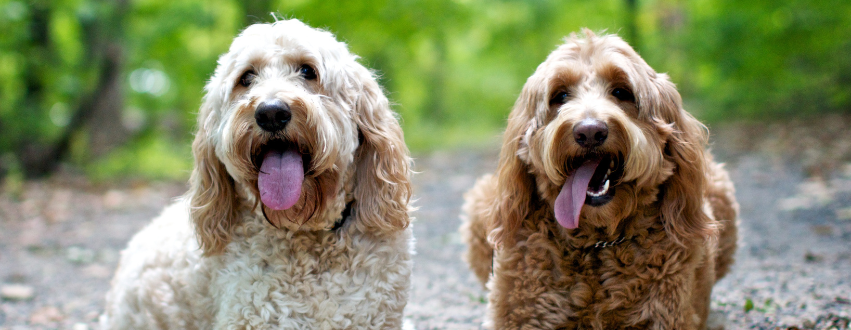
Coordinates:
<point>612,164</point>
<point>601,192</point>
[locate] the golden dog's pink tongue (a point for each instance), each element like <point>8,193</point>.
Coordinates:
<point>572,196</point>
<point>281,176</point>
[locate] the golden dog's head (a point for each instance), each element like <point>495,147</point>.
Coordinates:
<point>294,129</point>
<point>598,135</point>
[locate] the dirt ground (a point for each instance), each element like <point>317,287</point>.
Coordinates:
<point>60,238</point>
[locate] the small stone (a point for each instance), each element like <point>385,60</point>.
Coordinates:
<point>17,292</point>
<point>97,271</point>
<point>92,315</point>
<point>407,324</point>
<point>113,199</point>
<point>796,203</point>
<point>46,315</point>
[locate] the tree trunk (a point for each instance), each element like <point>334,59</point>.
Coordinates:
<point>32,154</point>
<point>100,110</point>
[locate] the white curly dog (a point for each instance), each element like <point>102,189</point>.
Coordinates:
<point>297,212</point>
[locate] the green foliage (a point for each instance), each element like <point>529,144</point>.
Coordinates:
<point>149,157</point>
<point>453,68</point>
<point>49,65</point>
<point>758,59</point>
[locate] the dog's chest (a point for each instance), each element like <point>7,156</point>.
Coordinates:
<point>601,286</point>
<point>291,281</point>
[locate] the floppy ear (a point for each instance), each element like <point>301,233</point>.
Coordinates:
<point>212,196</point>
<point>383,168</point>
<point>682,194</point>
<point>515,185</point>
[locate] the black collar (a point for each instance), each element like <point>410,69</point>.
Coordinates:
<point>337,225</point>
<point>346,213</point>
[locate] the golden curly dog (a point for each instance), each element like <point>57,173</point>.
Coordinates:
<point>297,211</point>
<point>606,210</point>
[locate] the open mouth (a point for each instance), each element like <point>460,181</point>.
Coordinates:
<point>601,187</point>
<point>592,181</point>
<point>281,174</point>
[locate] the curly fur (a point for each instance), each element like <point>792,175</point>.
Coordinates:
<point>219,259</point>
<point>674,207</point>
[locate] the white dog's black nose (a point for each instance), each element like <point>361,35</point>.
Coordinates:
<point>590,132</point>
<point>273,115</point>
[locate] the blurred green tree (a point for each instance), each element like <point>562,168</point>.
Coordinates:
<point>65,67</point>
<point>756,59</point>
<point>112,86</point>
<point>83,44</point>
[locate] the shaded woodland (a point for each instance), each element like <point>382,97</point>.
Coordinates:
<point>111,87</point>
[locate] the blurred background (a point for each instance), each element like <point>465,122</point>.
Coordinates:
<point>111,87</point>
<point>98,100</point>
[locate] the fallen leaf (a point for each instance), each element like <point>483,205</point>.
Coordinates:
<point>748,305</point>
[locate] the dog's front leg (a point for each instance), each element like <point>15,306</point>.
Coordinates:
<point>668,305</point>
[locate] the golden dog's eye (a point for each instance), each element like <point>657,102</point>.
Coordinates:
<point>559,98</point>
<point>247,78</point>
<point>307,72</point>
<point>623,94</point>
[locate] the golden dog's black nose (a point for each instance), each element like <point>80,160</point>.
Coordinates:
<point>272,115</point>
<point>590,132</point>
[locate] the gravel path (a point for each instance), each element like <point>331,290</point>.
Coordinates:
<point>60,238</point>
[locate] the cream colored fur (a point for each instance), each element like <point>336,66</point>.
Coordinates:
<point>218,259</point>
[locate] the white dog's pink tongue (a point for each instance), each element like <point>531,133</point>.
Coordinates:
<point>281,176</point>
<point>572,196</point>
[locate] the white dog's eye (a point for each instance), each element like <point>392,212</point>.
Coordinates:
<point>247,78</point>
<point>623,94</point>
<point>307,72</point>
<point>559,98</point>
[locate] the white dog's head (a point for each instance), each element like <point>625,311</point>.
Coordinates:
<point>293,128</point>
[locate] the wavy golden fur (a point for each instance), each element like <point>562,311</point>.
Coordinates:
<point>671,205</point>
